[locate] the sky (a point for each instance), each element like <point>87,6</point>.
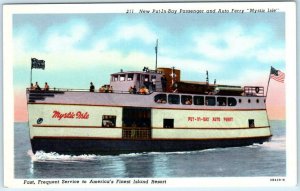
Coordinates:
<point>236,49</point>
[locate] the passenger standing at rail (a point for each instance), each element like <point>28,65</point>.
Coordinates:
<point>92,87</point>
<point>134,90</point>
<point>110,89</point>
<point>130,90</point>
<point>32,87</point>
<point>37,87</point>
<point>163,80</point>
<point>46,88</point>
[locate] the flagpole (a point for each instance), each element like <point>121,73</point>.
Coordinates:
<point>268,83</point>
<point>31,76</point>
<point>31,73</point>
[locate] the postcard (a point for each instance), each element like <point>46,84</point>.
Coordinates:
<point>131,95</point>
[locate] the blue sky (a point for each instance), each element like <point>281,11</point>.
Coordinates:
<point>236,49</point>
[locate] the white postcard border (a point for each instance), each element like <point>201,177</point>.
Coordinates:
<point>291,141</point>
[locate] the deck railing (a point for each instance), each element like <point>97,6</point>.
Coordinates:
<point>254,90</point>
<point>136,133</point>
<point>57,90</point>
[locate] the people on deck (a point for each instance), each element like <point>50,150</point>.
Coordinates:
<point>102,89</point>
<point>153,85</point>
<point>130,90</point>
<point>134,90</point>
<point>46,88</point>
<point>143,90</point>
<point>92,87</point>
<point>188,101</point>
<point>36,86</point>
<point>110,89</point>
<point>163,80</point>
<point>32,86</point>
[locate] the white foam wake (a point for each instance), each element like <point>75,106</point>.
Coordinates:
<point>275,144</point>
<point>41,156</point>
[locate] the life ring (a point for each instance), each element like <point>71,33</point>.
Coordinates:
<point>257,90</point>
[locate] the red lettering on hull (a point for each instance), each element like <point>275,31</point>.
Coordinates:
<point>70,115</point>
<point>80,115</point>
<point>207,119</point>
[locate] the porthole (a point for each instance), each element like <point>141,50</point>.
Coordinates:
<point>240,100</point>
<point>264,100</point>
<point>249,100</point>
<point>39,120</point>
<point>231,101</point>
<point>257,101</point>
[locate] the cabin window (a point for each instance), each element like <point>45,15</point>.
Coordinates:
<point>186,100</point>
<point>251,123</point>
<point>221,101</point>
<point>160,98</point>
<point>168,123</point>
<point>115,78</point>
<point>231,101</point>
<point>198,100</point>
<point>153,78</point>
<point>153,82</point>
<point>129,77</point>
<point>122,77</point>
<point>109,121</point>
<point>173,99</point>
<point>146,78</point>
<point>210,101</point>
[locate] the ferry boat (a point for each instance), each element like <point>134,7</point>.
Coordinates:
<point>147,111</point>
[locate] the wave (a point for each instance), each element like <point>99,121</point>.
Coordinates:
<point>41,156</point>
<point>275,144</point>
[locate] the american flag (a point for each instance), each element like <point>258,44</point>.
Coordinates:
<point>277,75</point>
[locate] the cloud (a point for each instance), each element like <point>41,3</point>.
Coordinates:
<point>136,31</point>
<point>212,49</point>
<point>271,55</point>
<point>66,36</point>
<point>228,44</point>
<point>237,41</point>
<point>249,77</point>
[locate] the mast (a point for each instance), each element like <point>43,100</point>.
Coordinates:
<point>156,49</point>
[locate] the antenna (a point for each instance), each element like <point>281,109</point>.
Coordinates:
<point>156,49</point>
<point>207,79</point>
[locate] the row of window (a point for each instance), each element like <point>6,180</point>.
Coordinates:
<point>122,77</point>
<point>129,77</point>
<point>110,121</point>
<point>197,100</point>
<point>169,123</point>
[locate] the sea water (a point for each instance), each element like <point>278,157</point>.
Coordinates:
<point>267,159</point>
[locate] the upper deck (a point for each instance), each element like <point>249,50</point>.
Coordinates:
<point>167,100</point>
<point>161,88</point>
